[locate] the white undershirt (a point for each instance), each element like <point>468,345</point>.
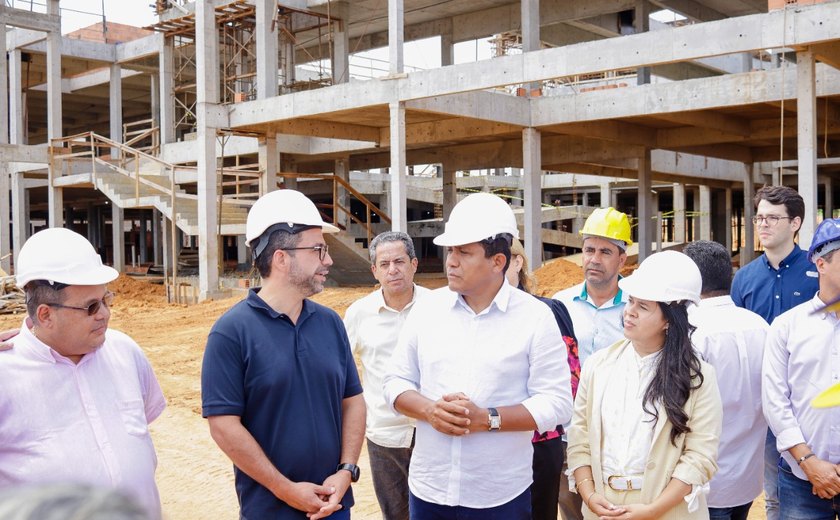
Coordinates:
<point>627,428</point>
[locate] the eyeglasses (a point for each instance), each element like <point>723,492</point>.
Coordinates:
<point>771,220</point>
<point>93,308</point>
<point>322,250</point>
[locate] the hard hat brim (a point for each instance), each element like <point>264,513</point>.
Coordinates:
<point>636,287</point>
<point>99,275</point>
<point>450,239</point>
<point>329,228</point>
<point>827,398</point>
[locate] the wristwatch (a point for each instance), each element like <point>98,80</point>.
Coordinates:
<point>495,420</point>
<point>352,468</point>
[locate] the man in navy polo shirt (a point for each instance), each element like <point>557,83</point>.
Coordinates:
<point>778,280</point>
<point>279,384</point>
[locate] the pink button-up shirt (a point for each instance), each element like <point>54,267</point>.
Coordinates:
<point>82,423</point>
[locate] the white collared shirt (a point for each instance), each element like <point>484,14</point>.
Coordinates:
<point>84,422</point>
<point>731,339</point>
<point>595,327</point>
<point>373,328</point>
<point>627,428</point>
<point>508,354</point>
<point>801,359</point>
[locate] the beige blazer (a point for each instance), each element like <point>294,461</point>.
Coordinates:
<point>692,460</point>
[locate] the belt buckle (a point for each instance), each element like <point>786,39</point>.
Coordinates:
<point>628,483</point>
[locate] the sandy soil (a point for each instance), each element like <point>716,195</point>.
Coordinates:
<point>194,477</point>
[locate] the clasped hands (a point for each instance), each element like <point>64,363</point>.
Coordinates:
<point>455,414</point>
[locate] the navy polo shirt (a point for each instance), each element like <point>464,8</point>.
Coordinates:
<point>287,382</point>
<point>769,292</point>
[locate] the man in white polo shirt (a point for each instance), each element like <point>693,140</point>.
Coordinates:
<point>373,324</point>
<point>480,365</point>
<point>76,397</point>
<point>596,304</point>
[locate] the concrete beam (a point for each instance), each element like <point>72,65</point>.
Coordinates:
<point>805,26</point>
<point>50,22</point>
<point>490,106</point>
<point>10,153</point>
<point>329,130</point>
<point>448,130</point>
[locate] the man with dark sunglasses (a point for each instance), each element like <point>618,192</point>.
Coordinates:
<point>76,397</point>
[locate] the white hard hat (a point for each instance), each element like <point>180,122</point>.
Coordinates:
<point>668,276</point>
<point>59,255</point>
<point>478,216</point>
<point>288,207</point>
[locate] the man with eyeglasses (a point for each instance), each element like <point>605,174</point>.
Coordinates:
<point>373,325</point>
<point>279,385</point>
<point>76,397</point>
<point>778,280</point>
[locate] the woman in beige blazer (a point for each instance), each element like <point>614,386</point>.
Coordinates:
<point>645,430</point>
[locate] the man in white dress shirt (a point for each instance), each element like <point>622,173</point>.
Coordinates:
<point>76,398</point>
<point>480,365</point>
<point>373,324</point>
<point>731,339</point>
<point>801,358</point>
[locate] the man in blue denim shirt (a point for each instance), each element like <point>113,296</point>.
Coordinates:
<point>778,280</point>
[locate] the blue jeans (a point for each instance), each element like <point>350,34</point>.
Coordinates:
<point>389,470</point>
<point>517,509</point>
<point>730,513</point>
<point>797,500</point>
<point>771,477</point>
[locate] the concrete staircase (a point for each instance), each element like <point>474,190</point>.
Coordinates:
<point>119,186</point>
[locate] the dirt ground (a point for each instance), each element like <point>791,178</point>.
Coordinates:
<point>194,477</point>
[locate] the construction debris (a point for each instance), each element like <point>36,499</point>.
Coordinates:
<point>12,299</point>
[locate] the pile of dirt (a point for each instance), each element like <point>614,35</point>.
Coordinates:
<point>137,291</point>
<point>556,275</point>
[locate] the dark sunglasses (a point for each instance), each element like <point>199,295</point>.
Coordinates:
<point>91,309</point>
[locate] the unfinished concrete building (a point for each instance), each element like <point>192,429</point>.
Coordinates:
<point>155,142</point>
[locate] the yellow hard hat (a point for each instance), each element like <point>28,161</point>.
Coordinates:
<point>827,398</point>
<point>608,223</point>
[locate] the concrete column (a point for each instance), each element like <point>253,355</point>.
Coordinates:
<point>447,48</point>
<point>450,191</point>
<point>748,250</point>
<point>268,159</point>
<point>396,14</point>
<point>806,121</point>
<point>142,250</point>
<point>4,98</point>
<point>341,43</point>
<point>20,224</point>
<point>530,14</point>
<point>695,220</point>
<point>115,111</point>
<point>5,183</point>
<point>342,171</point>
<point>17,128</point>
<point>288,165</point>
<point>166,49</point>
<point>241,250</point>
<point>679,212</point>
<point>399,188</point>
<point>532,173</point>
<point>92,221</point>
<point>118,237</point>
<point>641,24</point>
<point>614,198</point>
<point>207,67</point>
<point>154,98</point>
<point>55,200</point>
<point>267,43</point>
<point>705,213</point>
<point>166,228</point>
<point>828,210</point>
<point>157,253</point>
<point>605,195</point>
<point>644,205</point>
<point>727,211</point>
<point>53,73</point>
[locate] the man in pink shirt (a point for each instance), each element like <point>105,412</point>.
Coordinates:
<point>76,398</point>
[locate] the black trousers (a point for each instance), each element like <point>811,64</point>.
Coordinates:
<point>548,466</point>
